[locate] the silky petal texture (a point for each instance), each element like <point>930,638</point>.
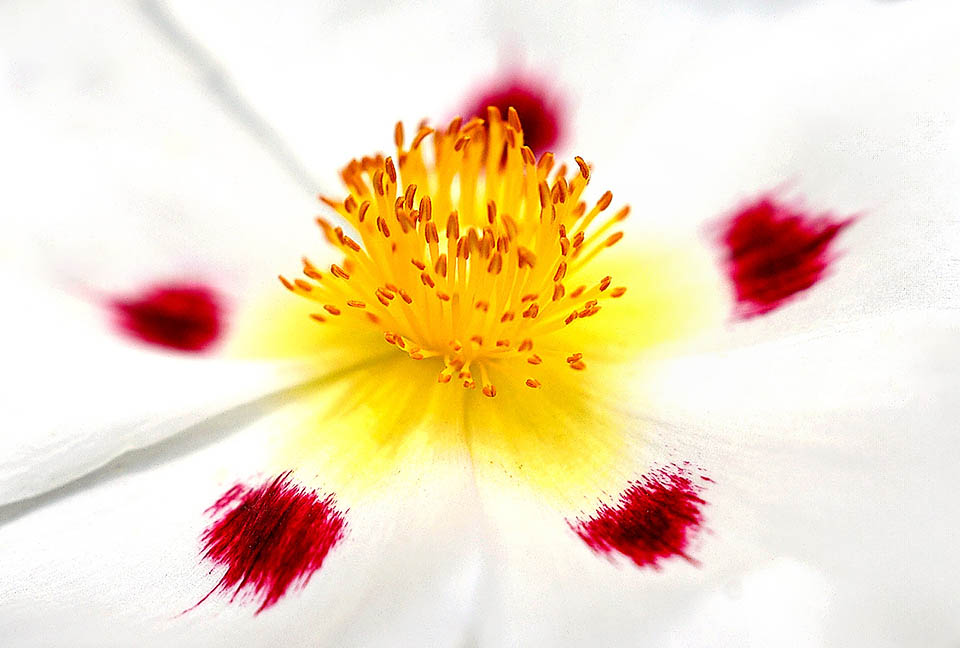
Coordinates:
<point>125,168</point>
<point>828,521</point>
<point>79,393</point>
<point>334,78</point>
<point>850,109</point>
<point>115,191</point>
<point>117,561</point>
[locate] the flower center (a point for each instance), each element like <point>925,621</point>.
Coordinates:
<point>471,251</point>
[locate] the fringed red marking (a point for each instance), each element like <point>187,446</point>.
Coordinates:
<point>774,252</point>
<point>270,537</point>
<point>181,317</point>
<point>653,519</point>
<point>541,114</point>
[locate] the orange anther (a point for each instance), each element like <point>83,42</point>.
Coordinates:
<point>421,134</point>
<point>398,134</point>
<point>430,233</point>
<point>561,271</point>
<point>426,208</point>
<point>453,226</point>
<point>391,170</point>
<point>605,200</point>
<point>613,239</point>
<point>584,169</point>
<point>409,195</point>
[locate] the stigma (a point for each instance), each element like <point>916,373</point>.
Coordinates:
<point>468,250</point>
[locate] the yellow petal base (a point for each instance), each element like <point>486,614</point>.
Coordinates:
<point>473,315</point>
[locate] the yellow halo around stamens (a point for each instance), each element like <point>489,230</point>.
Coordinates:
<point>472,253</point>
<point>397,329</point>
<point>379,415</point>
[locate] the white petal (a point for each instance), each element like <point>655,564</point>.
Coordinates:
<point>852,109</point>
<point>125,174</point>
<point>116,563</point>
<point>833,459</point>
<point>123,167</point>
<point>79,393</point>
<point>333,80</point>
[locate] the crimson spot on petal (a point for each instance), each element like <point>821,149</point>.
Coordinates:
<point>270,537</point>
<point>653,519</point>
<point>775,251</point>
<point>181,317</point>
<point>541,114</point>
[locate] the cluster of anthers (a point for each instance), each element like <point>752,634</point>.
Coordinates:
<point>467,252</point>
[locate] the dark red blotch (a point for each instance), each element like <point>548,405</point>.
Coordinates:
<point>181,317</point>
<point>541,115</point>
<point>270,537</point>
<point>653,519</point>
<point>775,251</point>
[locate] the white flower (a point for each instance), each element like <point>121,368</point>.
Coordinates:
<point>152,145</point>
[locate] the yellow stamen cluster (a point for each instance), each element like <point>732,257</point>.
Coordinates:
<point>466,253</point>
